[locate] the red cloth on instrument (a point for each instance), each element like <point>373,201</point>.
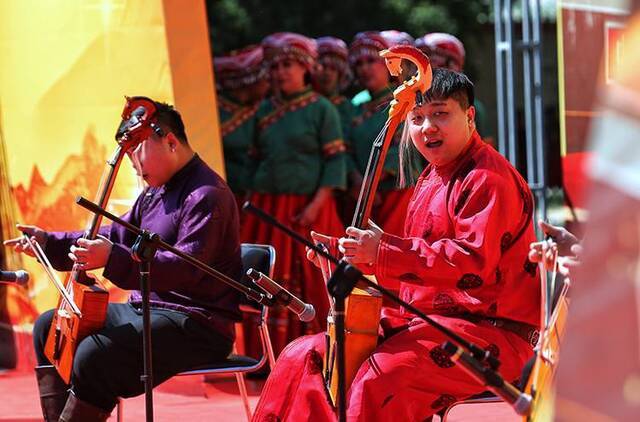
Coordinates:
<point>292,270</point>
<point>468,230</point>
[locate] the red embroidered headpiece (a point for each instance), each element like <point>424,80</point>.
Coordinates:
<point>334,52</point>
<point>332,46</point>
<point>289,45</point>
<point>394,37</point>
<point>442,44</point>
<point>240,67</point>
<point>367,44</point>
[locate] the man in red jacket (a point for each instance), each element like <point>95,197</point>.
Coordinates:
<point>462,260</point>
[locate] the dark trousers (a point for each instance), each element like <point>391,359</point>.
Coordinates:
<point>109,363</point>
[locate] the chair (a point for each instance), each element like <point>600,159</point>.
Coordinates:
<point>261,258</point>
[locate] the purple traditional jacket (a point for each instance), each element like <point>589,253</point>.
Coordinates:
<point>195,212</point>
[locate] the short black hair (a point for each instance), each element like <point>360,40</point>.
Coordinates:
<point>450,84</point>
<point>170,121</point>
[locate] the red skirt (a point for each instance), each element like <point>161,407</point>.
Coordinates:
<point>292,269</point>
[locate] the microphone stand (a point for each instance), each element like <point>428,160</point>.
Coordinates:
<point>143,251</point>
<point>340,285</point>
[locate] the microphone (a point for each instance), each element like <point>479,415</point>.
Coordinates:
<point>305,311</point>
<point>521,402</point>
<point>19,277</point>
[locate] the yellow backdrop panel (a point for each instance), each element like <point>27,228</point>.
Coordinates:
<point>65,68</point>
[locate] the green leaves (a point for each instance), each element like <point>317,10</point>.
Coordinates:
<point>236,23</point>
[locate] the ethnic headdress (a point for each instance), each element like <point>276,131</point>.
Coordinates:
<point>289,45</point>
<point>442,44</point>
<point>334,52</point>
<point>367,44</point>
<point>394,37</point>
<point>240,67</point>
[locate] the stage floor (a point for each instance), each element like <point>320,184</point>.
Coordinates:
<point>181,398</point>
<point>189,398</point>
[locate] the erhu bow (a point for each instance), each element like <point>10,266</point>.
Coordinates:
<point>82,307</point>
<point>362,314</point>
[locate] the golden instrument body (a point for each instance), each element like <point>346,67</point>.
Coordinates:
<point>542,380</point>
<point>362,317</point>
<point>68,329</point>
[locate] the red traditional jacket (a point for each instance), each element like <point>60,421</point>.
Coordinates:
<point>467,235</point>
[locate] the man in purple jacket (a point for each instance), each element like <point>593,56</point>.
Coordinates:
<point>192,315</point>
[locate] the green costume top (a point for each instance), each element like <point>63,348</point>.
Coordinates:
<point>346,111</point>
<point>299,145</point>
<point>237,126</point>
<point>369,119</point>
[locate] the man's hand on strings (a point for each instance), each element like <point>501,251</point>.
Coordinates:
<point>20,244</point>
<point>91,254</point>
<point>317,238</point>
<point>547,251</point>
<point>562,242</point>
<point>361,247</point>
<point>561,236</point>
<point>544,251</point>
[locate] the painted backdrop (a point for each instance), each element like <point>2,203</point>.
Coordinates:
<point>65,68</point>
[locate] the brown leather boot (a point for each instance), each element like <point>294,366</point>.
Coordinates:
<point>77,410</point>
<point>53,392</point>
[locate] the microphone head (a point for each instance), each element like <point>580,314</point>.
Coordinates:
<point>308,314</point>
<point>522,405</point>
<point>22,277</point>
